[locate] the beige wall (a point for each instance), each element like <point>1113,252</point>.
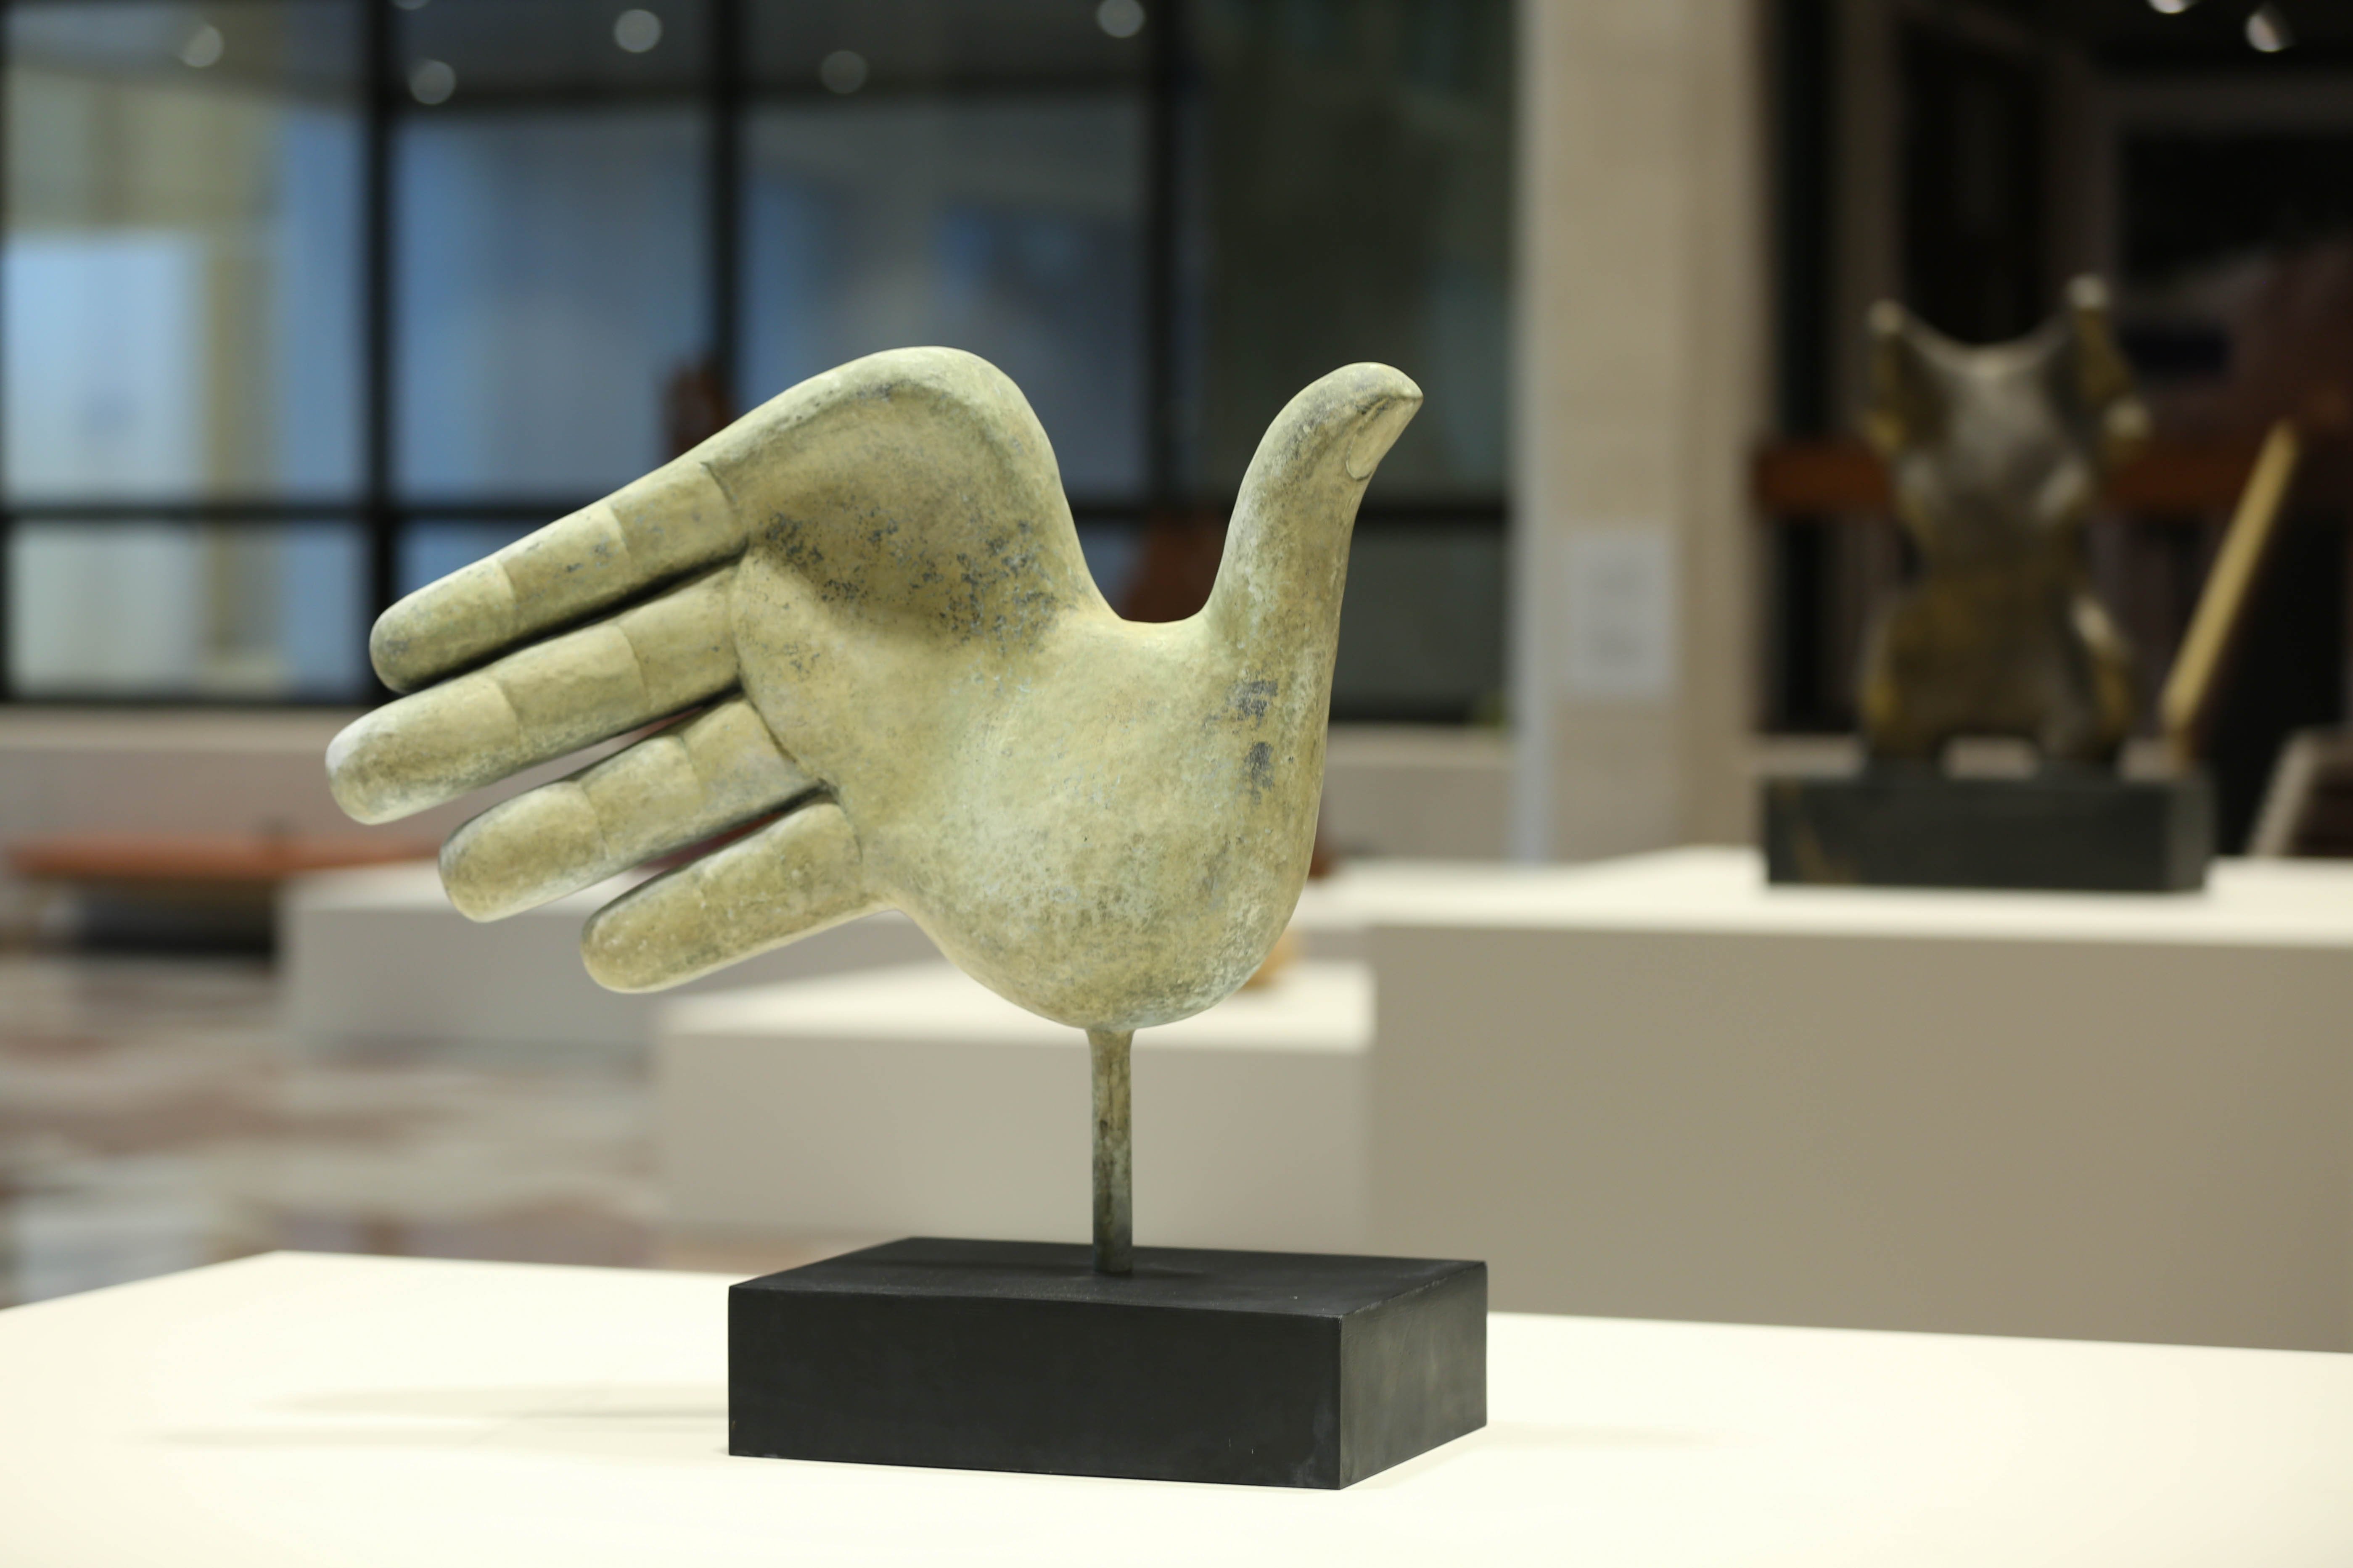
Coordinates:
<point>1639,394</point>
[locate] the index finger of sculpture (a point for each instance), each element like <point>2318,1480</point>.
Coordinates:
<point>686,783</point>
<point>531,707</point>
<point>660,527</point>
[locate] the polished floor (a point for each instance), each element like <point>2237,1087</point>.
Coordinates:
<point>153,1116</point>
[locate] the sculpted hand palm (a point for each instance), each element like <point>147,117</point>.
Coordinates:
<point>873,591</point>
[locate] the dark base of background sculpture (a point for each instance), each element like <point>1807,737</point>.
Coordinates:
<point>1255,1368</point>
<point>2086,831</point>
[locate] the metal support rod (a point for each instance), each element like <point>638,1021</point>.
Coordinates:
<point>1114,1213</point>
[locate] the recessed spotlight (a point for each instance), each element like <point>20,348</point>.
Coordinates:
<point>203,47</point>
<point>636,31</point>
<point>2267,29</point>
<point>1120,18</point>
<point>2171,7</point>
<point>842,71</point>
<point>410,5</point>
<point>432,82</point>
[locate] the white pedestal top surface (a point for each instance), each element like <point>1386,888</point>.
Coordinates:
<point>1711,887</point>
<point>358,1412</point>
<point>1310,1006</point>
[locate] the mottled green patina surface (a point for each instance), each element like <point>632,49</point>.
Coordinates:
<point>869,596</point>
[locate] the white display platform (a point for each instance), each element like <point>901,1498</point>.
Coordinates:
<point>1659,1088</point>
<point>378,956</point>
<point>914,1100</point>
<point>379,1414</point>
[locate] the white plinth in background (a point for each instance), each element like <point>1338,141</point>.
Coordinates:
<point>1659,1088</point>
<point>378,956</point>
<point>1646,1088</point>
<point>915,1102</point>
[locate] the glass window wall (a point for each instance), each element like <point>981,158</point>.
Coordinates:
<point>1011,227</point>
<point>549,283</point>
<point>182,260</point>
<point>307,302</point>
<point>144,609</point>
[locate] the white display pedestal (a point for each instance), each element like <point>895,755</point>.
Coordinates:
<point>1658,1088</point>
<point>380,1414</point>
<point>378,956</point>
<point>913,1101</point>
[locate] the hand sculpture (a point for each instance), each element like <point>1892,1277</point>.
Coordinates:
<point>1996,455</point>
<point>871,595</point>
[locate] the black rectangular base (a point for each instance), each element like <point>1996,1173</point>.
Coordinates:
<point>2082,832</point>
<point>1256,1368</point>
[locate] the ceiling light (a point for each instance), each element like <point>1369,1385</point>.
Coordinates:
<point>204,46</point>
<point>2267,29</point>
<point>432,82</point>
<point>636,31</point>
<point>842,71</point>
<point>1120,18</point>
<point>2171,7</point>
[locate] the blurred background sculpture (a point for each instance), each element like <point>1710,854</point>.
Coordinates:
<point>1996,455</point>
<point>869,596</point>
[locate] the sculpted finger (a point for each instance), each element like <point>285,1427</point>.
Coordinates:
<point>662,526</point>
<point>536,705</point>
<point>701,777</point>
<point>796,875</point>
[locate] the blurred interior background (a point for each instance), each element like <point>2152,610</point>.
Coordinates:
<point>304,303</point>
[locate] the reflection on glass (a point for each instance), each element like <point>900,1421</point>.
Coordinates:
<point>1352,168</point>
<point>510,49</point>
<point>1422,625</point>
<point>160,609</point>
<point>933,43</point>
<point>551,281</point>
<point>1008,228</point>
<point>181,270</point>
